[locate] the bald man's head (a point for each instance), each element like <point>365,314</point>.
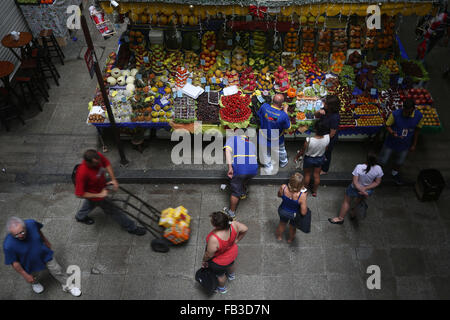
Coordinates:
<point>278,99</point>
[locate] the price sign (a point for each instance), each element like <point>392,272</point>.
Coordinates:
<point>207,88</point>
<point>124,99</point>
<point>353,101</point>
<point>350,82</point>
<point>358,65</point>
<point>265,92</point>
<point>261,99</point>
<point>213,80</point>
<point>139,76</point>
<point>189,80</point>
<point>126,39</point>
<point>174,95</point>
<point>248,18</point>
<point>252,42</point>
<point>227,60</point>
<point>238,38</point>
<point>310,106</point>
<point>202,62</point>
<point>203,80</point>
<point>180,94</point>
<point>373,91</point>
<point>296,62</point>
<point>284,84</point>
<point>165,101</point>
<point>225,81</point>
<point>230,42</point>
<point>146,59</point>
<point>400,80</point>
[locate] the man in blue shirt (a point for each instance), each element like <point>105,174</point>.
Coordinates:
<point>240,154</point>
<point>29,251</point>
<point>274,120</point>
<point>403,126</point>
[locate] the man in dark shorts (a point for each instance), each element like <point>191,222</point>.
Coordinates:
<point>90,185</point>
<point>240,154</point>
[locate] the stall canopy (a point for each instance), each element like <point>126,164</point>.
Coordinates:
<point>300,7</point>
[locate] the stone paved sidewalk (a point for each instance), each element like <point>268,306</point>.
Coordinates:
<point>408,239</point>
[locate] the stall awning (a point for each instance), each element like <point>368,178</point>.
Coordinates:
<point>287,8</point>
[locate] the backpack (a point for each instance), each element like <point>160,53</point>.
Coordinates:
<point>207,279</point>
<point>74,173</point>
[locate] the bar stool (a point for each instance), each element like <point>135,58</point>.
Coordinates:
<point>7,111</point>
<point>41,81</point>
<point>29,87</point>
<point>44,62</point>
<point>49,42</point>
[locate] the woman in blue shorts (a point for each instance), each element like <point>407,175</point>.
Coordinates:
<point>366,177</point>
<point>294,202</point>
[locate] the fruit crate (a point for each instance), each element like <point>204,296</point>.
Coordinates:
<point>425,76</point>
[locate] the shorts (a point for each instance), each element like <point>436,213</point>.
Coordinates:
<point>352,192</point>
<point>286,216</point>
<point>313,162</point>
<point>239,184</point>
<point>218,269</point>
<point>386,153</point>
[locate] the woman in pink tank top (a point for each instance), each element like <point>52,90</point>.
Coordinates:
<point>221,247</point>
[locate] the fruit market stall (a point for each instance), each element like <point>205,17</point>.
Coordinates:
<point>180,63</point>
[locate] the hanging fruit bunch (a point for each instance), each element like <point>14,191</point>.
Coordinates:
<point>232,78</point>
<point>339,40</point>
<point>386,38</point>
<point>243,40</point>
<point>258,43</point>
<point>324,41</point>
<point>273,60</point>
<point>355,37</point>
<point>291,41</point>
<point>337,62</point>
<point>172,61</point>
<point>157,58</point>
<point>191,60</point>
<point>298,79</point>
<point>208,59</point>
<point>347,76</point>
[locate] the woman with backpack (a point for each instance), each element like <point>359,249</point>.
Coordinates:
<point>294,202</point>
<point>221,247</point>
<point>366,177</point>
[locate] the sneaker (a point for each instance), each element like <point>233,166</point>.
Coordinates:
<point>231,276</point>
<point>229,213</point>
<point>139,231</point>
<point>37,287</point>
<point>221,290</point>
<point>282,165</point>
<point>86,220</point>
<point>76,292</point>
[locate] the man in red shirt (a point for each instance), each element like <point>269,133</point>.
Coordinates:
<point>90,185</point>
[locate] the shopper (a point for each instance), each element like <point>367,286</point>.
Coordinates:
<point>314,151</point>
<point>273,117</point>
<point>329,115</point>
<point>403,126</point>
<point>242,163</point>
<point>221,247</point>
<point>439,27</point>
<point>28,251</point>
<point>366,177</point>
<point>294,202</point>
<point>90,185</point>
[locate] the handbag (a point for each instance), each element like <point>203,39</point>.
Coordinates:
<point>207,279</point>
<point>303,223</point>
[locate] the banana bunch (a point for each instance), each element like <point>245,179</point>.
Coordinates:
<point>244,40</point>
<point>259,43</point>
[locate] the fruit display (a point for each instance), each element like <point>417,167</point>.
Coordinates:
<point>96,118</point>
<point>339,40</point>
<point>208,59</point>
<point>391,101</point>
<point>298,79</point>
<point>386,38</point>
<point>354,58</point>
<point>411,68</point>
<point>430,116</point>
<point>239,59</point>
<point>420,96</point>
<point>314,91</point>
<point>308,46</point>
<point>264,80</point>
<point>291,41</point>
<point>273,60</point>
<point>208,108</point>
<point>184,110</point>
<point>248,80</point>
<point>172,61</point>
<point>232,78</point>
<point>157,58</point>
<point>370,121</point>
<point>331,84</point>
<point>258,43</point>
<point>355,37</point>
<point>345,97</point>
<point>365,79</point>
<point>347,76</point>
<point>382,77</point>
<point>281,79</point>
<point>366,109</point>
<point>243,40</point>
<point>346,119</point>
<point>181,77</point>
<point>337,62</point>
<point>235,111</point>
<point>209,41</point>
<point>392,65</point>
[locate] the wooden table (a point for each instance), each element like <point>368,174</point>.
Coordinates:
<point>22,44</point>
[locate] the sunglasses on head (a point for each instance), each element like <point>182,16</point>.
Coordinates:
<point>19,234</point>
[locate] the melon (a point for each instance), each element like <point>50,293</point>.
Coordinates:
<point>134,72</point>
<point>121,81</point>
<point>126,72</point>
<point>111,81</point>
<point>115,72</point>
<point>130,87</point>
<point>130,80</point>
